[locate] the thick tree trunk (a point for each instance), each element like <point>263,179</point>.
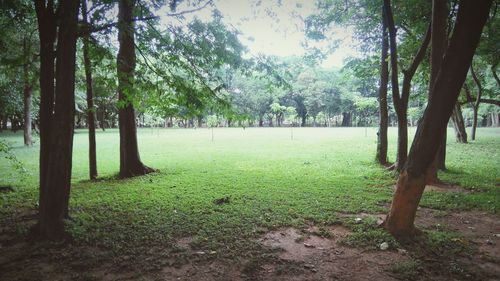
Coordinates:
<point>458,123</point>
<point>441,154</point>
<point>47,34</point>
<point>90,99</point>
<point>54,206</point>
<point>411,182</point>
<point>130,161</point>
<point>381,155</point>
<point>303,122</point>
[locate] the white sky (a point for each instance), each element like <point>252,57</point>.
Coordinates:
<point>274,29</point>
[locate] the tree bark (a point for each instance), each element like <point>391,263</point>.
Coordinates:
<point>475,105</point>
<point>56,187</point>
<point>402,146</point>
<point>438,46</point>
<point>411,182</point>
<point>458,124</point>
<point>27,94</point>
<point>47,34</point>
<point>130,161</point>
<point>90,98</point>
<point>381,155</point>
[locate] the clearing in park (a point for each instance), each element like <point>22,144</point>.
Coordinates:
<point>254,204</point>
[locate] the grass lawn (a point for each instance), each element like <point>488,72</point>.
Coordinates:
<point>265,179</point>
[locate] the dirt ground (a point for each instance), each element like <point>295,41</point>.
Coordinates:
<point>298,255</point>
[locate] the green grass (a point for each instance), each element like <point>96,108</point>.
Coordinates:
<point>271,181</point>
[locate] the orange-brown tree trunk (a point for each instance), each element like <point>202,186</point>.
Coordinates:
<point>458,57</point>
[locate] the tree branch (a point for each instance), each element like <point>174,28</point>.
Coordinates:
<point>410,72</point>
<point>478,84</point>
<point>493,70</point>
<point>190,11</point>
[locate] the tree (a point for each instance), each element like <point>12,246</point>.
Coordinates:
<point>381,155</point>
<point>439,40</point>
<point>459,124</point>
<point>401,101</point>
<point>411,182</point>
<point>56,112</point>
<point>475,104</point>
<point>20,62</point>
<point>130,161</point>
<point>90,96</point>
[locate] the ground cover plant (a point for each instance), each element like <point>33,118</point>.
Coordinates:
<point>210,201</point>
<point>316,140</point>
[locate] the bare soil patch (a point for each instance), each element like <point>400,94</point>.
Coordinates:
<point>325,259</point>
<point>313,253</point>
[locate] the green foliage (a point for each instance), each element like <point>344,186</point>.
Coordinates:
<point>7,153</point>
<point>407,270</point>
<point>212,121</point>
<point>446,243</point>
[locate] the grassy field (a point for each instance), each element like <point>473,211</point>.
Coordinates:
<point>265,179</point>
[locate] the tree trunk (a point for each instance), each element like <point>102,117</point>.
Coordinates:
<point>411,182</point>
<point>381,156</point>
<point>394,83</point>
<point>474,123</point>
<point>27,95</point>
<point>4,123</point>
<point>438,47</point>
<point>402,151</point>
<point>56,188</point>
<point>47,33</point>
<point>130,161</point>
<point>458,123</point>
<point>494,119</point>
<point>441,154</point>
<point>90,98</point>
<point>346,119</point>
<point>475,106</point>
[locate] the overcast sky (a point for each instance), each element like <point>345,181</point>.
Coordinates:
<point>273,29</point>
